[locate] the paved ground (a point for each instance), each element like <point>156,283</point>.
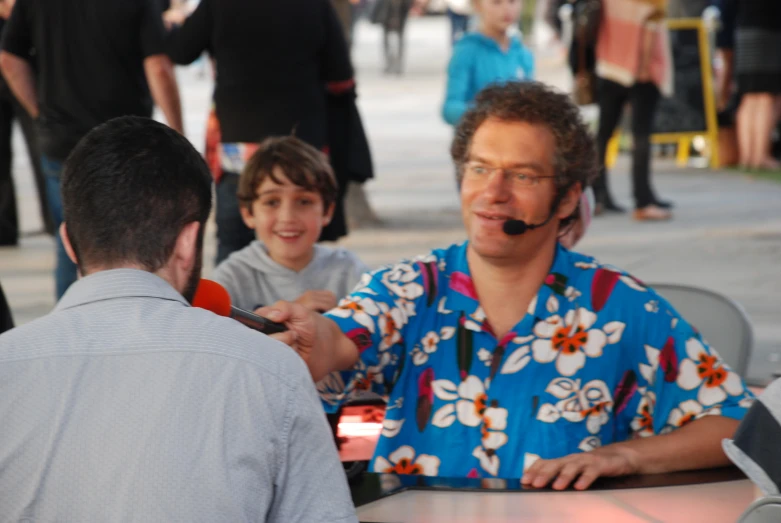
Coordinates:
<point>726,235</point>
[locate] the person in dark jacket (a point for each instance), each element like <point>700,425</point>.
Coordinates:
<point>279,67</point>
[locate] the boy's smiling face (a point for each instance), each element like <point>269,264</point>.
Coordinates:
<point>288,220</point>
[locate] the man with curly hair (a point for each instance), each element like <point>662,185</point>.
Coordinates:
<point>509,355</point>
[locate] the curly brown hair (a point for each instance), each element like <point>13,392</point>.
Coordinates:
<point>575,156</point>
<point>301,163</point>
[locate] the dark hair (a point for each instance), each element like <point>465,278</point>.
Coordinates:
<point>575,158</point>
<point>128,189</point>
<point>301,163</point>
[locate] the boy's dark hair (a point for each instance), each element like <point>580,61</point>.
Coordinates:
<point>301,163</point>
<point>575,156</point>
<point>128,189</point>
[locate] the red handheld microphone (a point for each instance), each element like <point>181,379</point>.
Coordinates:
<point>212,296</point>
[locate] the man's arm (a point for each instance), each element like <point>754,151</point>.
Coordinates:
<point>317,339</point>
<point>20,78</point>
<point>162,84</point>
<point>696,445</point>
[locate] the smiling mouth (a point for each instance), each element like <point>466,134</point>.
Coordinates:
<point>289,235</point>
<point>494,217</point>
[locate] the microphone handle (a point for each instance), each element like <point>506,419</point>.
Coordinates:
<point>255,322</point>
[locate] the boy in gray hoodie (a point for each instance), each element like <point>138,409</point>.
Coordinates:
<point>286,194</point>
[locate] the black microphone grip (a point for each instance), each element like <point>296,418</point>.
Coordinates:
<point>255,322</point>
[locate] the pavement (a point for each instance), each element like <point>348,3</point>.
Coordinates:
<point>726,234</point>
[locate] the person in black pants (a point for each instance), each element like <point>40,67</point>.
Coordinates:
<point>10,110</point>
<point>643,98</point>
<point>278,64</point>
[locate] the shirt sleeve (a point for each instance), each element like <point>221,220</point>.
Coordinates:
<point>375,316</point>
<point>459,78</point>
<point>152,29</point>
<point>680,377</point>
<point>311,484</point>
<point>17,34</point>
<point>186,43</point>
<point>335,57</point>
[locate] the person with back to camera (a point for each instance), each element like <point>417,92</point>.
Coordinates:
<point>127,404</point>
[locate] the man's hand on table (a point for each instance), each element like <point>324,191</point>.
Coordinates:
<point>317,339</point>
<point>580,470</point>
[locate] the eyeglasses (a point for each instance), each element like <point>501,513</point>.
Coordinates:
<point>481,170</point>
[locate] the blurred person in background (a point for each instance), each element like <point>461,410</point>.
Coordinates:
<point>113,65</point>
<point>634,64</point>
<point>10,110</point>
<point>489,55</point>
<point>459,12</point>
<point>280,66</point>
<point>757,66</point>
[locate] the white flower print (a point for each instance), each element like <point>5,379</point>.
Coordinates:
<point>400,280</point>
<point>706,371</point>
<point>570,340</point>
<point>362,310</point>
<point>494,425</point>
<point>441,308</point>
<point>652,306</point>
<point>391,320</point>
<point>485,356</point>
<point>746,402</point>
<point>366,377</point>
<point>391,427</point>
<point>572,294</point>
<point>593,403</point>
<point>517,360</point>
<point>687,411</point>
<point>643,423</point>
<point>469,407</point>
<point>428,345</point>
<point>590,443</point>
<point>489,461</point>
<point>493,437</point>
<point>403,461</point>
<point>648,371</point>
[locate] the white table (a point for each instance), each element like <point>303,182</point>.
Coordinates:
<point>711,502</point>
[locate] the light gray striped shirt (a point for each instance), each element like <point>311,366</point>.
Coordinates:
<point>126,404</point>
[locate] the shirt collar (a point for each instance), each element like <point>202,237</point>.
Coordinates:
<point>461,293</point>
<point>118,283</point>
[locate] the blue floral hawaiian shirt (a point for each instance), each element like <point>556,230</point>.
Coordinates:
<point>598,358</point>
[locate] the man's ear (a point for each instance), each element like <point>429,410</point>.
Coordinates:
<point>66,242</point>
<point>186,249</point>
<point>570,201</point>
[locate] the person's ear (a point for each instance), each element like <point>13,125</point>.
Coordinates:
<point>569,202</point>
<point>66,242</point>
<point>186,249</point>
<point>329,214</point>
<point>247,216</point>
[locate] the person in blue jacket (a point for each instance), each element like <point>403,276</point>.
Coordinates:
<point>486,56</point>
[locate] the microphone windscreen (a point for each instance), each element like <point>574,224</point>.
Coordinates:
<point>212,296</point>
<point>514,227</point>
